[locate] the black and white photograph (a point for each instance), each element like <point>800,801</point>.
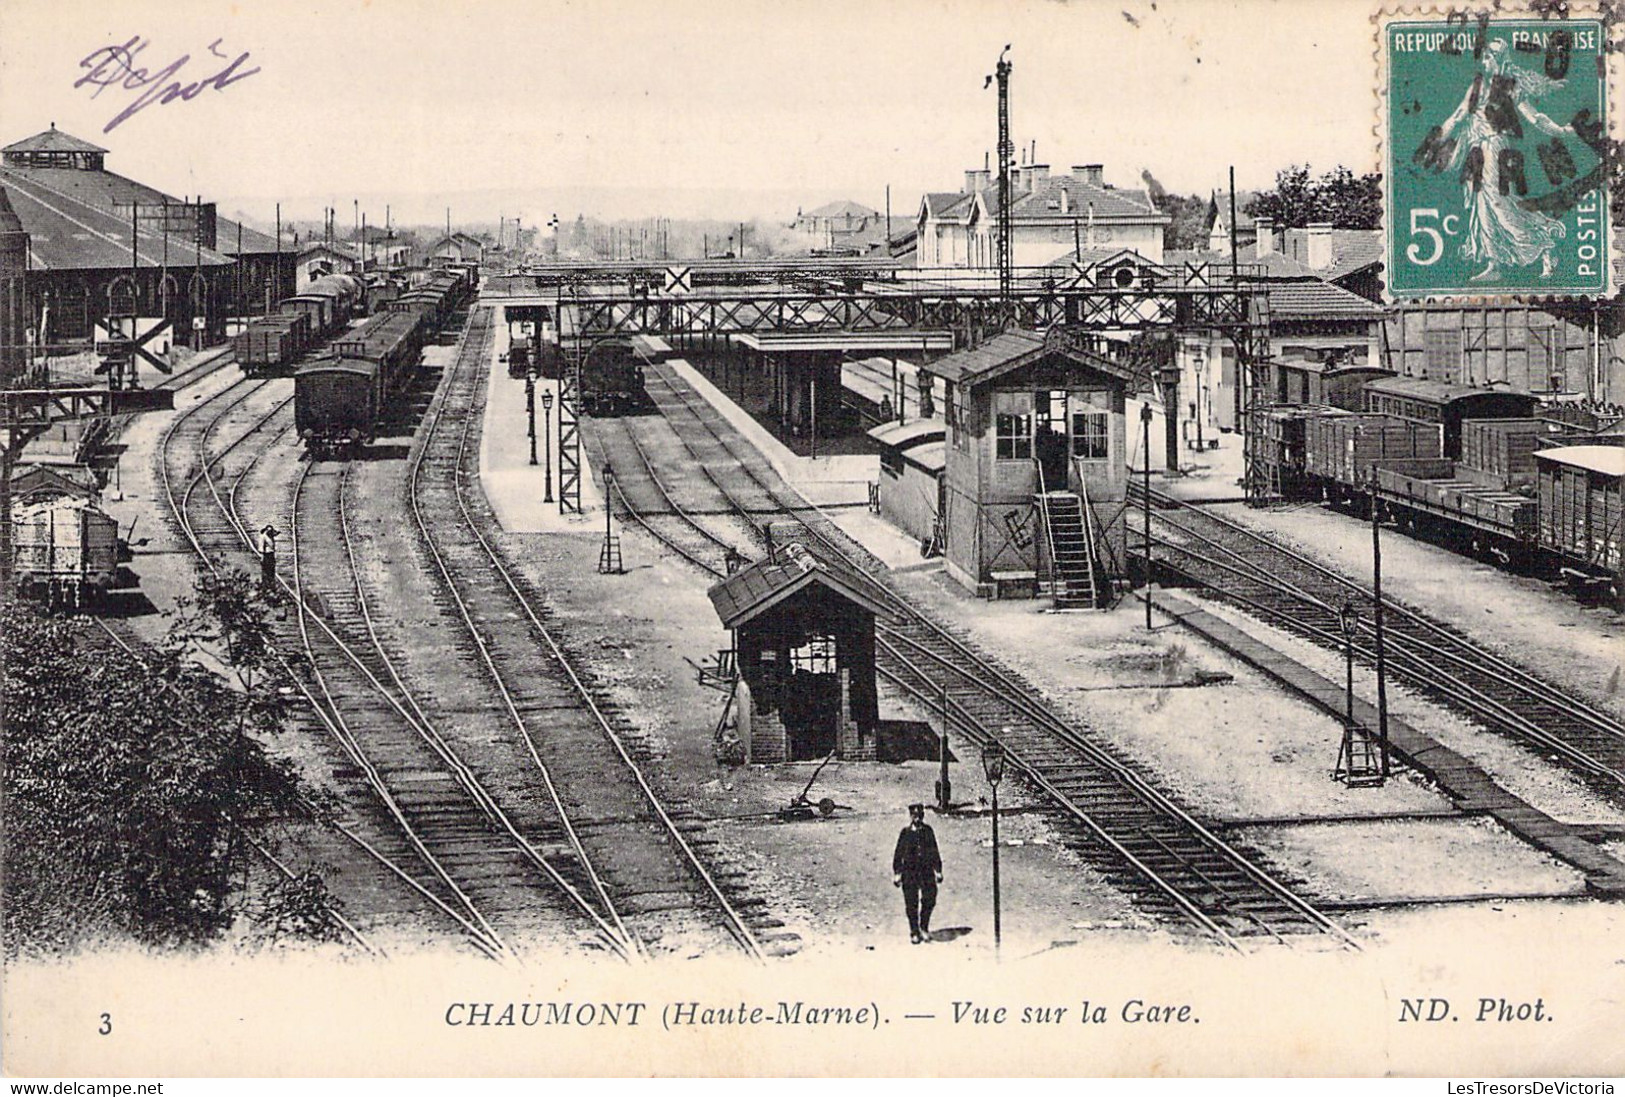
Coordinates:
<point>925,538</point>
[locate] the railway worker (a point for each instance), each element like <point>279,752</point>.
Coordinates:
<point>268,560</point>
<point>917,868</point>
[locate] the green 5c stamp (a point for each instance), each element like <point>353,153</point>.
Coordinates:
<point>1496,156</point>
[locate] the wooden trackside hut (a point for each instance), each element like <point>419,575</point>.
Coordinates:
<point>804,643</point>
<point>1035,482</point>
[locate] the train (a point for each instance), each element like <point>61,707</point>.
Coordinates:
<point>277,341</point>
<point>339,397</point>
<point>612,380</point>
<point>1486,472</point>
<point>66,549</point>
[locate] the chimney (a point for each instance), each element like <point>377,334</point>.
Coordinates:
<point>970,181</point>
<point>1016,171</point>
<point>1092,174</point>
<point>1037,175</point>
<point>1266,235</point>
<point>1318,242</point>
<point>976,179</point>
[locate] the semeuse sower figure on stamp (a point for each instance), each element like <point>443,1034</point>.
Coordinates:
<point>917,869</point>
<point>1481,137</point>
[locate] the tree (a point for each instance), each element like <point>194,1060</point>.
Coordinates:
<point>126,780</point>
<point>1346,200</point>
<point>1187,230</point>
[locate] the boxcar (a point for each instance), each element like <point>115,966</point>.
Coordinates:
<point>1444,406</point>
<point>66,550</point>
<point>1579,488</point>
<point>336,402</point>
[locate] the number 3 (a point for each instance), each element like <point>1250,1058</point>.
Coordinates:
<point>1414,253</point>
<point>107,1024</point>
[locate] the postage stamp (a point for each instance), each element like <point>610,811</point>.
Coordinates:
<point>1496,155</point>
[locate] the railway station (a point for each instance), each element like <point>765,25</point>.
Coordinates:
<point>625,603</point>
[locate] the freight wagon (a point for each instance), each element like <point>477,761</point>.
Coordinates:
<point>1579,492</point>
<point>272,342</point>
<point>1444,406</point>
<point>67,550</point>
<point>336,402</point>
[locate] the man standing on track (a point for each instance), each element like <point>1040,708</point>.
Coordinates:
<point>917,869</point>
<point>268,561</point>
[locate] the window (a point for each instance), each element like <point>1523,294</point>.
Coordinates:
<point>1091,438</point>
<point>816,656</point>
<point>1013,426</point>
<point>1013,437</point>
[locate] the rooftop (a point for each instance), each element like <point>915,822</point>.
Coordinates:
<point>1011,350</point>
<point>753,590</point>
<point>1608,460</point>
<point>70,231</point>
<point>52,140</point>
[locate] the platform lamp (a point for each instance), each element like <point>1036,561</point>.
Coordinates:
<point>1347,618</point>
<point>547,443</point>
<point>530,410</point>
<point>1376,623</point>
<point>993,766</point>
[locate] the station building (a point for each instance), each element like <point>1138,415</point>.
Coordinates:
<point>1051,216</point>
<point>1035,478</point>
<point>98,239</point>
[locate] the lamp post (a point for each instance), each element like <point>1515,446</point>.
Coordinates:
<point>1346,618</point>
<point>1376,622</point>
<point>1145,424</point>
<point>530,411</point>
<point>944,787</point>
<point>547,443</point>
<point>993,766</point>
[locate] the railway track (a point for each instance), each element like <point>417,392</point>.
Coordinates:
<point>1159,851</point>
<point>1303,596</point>
<point>488,869</point>
<point>646,874</point>
<point>201,488</point>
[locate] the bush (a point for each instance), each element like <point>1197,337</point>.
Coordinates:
<point>122,777</point>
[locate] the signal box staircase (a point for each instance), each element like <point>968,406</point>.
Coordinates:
<point>1078,578</point>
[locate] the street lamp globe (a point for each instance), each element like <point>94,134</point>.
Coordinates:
<point>993,761</point>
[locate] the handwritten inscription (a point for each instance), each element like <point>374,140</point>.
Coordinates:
<point>116,67</point>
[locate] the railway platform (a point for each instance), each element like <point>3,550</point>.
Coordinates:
<point>1467,783</point>
<point>516,488</point>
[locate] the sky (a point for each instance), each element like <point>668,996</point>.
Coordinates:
<point>683,108</point>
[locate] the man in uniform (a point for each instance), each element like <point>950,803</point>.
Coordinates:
<point>917,869</point>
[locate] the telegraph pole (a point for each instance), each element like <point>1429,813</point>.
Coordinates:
<point>1007,152</point>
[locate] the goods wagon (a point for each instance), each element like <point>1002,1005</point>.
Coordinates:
<point>1340,450</point>
<point>1444,406</point>
<point>1579,492</point>
<point>67,550</point>
<point>336,402</point>
<point>272,342</point>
